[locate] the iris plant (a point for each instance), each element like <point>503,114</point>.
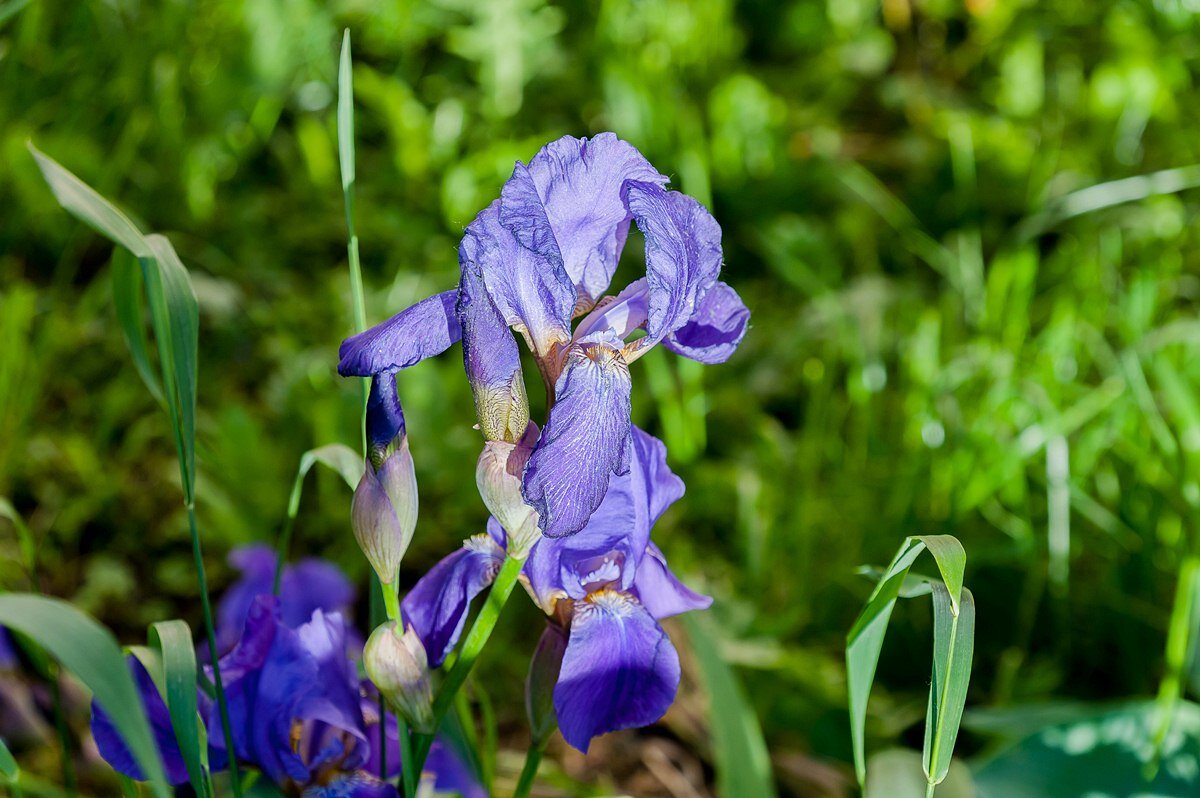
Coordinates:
<point>298,710</point>
<point>572,502</point>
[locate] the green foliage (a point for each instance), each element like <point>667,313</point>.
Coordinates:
<point>173,639</point>
<point>953,643</point>
<point>965,230</point>
<point>743,765</point>
<point>89,651</point>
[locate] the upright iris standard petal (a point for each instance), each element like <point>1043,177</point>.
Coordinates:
<point>385,417</point>
<point>617,534</point>
<point>532,293</point>
<point>567,205</point>
<point>491,358</point>
<point>586,439</point>
<point>620,669</point>
<point>112,747</point>
<point>683,256</point>
<point>437,605</point>
<point>660,591</point>
<point>308,585</point>
<point>714,331</point>
<point>423,330</point>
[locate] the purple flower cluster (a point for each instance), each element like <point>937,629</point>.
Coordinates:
<point>577,498</point>
<point>298,711</point>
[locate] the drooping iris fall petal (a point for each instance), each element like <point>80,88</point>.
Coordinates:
<point>585,440</point>
<point>620,669</point>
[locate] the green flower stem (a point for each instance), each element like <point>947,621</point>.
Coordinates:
<point>533,758</point>
<point>409,775</point>
<point>210,634</point>
<point>391,603</point>
<point>472,647</point>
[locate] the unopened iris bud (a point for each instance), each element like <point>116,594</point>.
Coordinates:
<point>498,477</point>
<point>544,669</point>
<point>384,511</point>
<point>503,410</point>
<point>398,666</point>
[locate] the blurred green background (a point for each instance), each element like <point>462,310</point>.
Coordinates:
<point>964,229</point>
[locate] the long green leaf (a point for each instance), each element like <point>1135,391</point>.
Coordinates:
<point>129,302</point>
<point>85,204</point>
<point>89,651</point>
<point>865,640</point>
<point>176,318</point>
<point>953,645</point>
<point>173,639</point>
<point>348,463</point>
<point>743,764</point>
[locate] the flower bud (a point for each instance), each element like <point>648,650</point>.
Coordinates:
<point>498,477</point>
<point>539,685</point>
<point>397,664</point>
<point>503,410</point>
<point>384,511</point>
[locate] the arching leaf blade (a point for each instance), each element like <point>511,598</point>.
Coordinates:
<point>88,650</point>
<point>173,639</point>
<point>953,647</point>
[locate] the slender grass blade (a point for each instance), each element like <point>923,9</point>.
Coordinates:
<point>743,764</point>
<point>173,639</point>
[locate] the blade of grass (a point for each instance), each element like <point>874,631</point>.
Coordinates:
<point>865,640</point>
<point>173,639</point>
<point>174,314</point>
<point>953,645</point>
<point>88,650</point>
<point>337,456</point>
<point>129,302</point>
<point>743,763</point>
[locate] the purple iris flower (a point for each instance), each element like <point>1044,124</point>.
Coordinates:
<point>305,586</point>
<point>542,255</point>
<point>605,587</point>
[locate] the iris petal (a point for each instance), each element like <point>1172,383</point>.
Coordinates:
<point>306,586</point>
<point>714,331</point>
<point>660,591</point>
<point>619,529</point>
<point>277,679</point>
<point>490,355</point>
<point>423,330</point>
<point>437,605</point>
<point>586,439</point>
<point>620,669</point>
<point>566,205</point>
<point>531,292</point>
<point>683,256</point>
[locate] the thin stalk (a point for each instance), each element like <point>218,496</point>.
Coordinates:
<point>409,775</point>
<point>391,602</point>
<point>472,647</point>
<point>533,758</point>
<point>281,551</point>
<point>64,735</point>
<point>210,634</point>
